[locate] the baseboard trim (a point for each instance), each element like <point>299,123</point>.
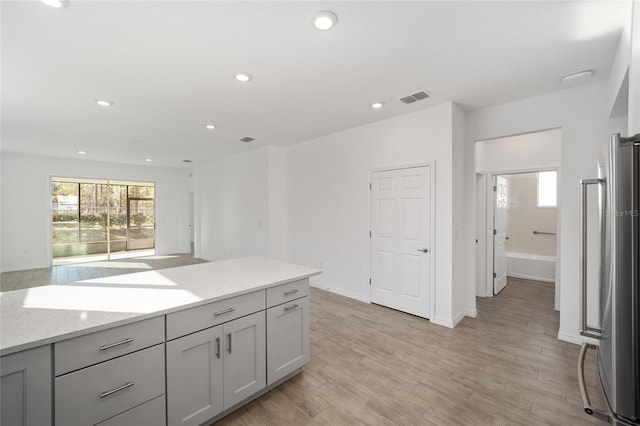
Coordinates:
<point>576,338</point>
<point>445,322</point>
<point>25,267</point>
<point>529,277</point>
<point>342,292</point>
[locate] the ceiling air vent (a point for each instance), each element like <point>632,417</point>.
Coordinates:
<point>247,139</point>
<point>415,97</point>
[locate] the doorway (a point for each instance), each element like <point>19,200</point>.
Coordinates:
<point>99,219</point>
<point>402,239</point>
<point>513,157</point>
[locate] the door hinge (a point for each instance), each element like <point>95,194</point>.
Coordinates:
<point>369,281</point>
<point>495,232</point>
<point>369,234</point>
<point>369,186</point>
<point>495,275</point>
<point>495,188</point>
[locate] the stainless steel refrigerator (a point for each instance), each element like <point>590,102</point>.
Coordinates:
<point>618,331</point>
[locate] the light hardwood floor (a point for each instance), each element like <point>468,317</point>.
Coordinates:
<point>376,366</point>
<point>83,271</point>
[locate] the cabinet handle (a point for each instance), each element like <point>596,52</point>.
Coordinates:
<point>113,345</point>
<point>118,389</point>
<point>226,311</point>
<point>229,342</point>
<point>218,347</point>
<point>288,308</point>
<point>290,292</point>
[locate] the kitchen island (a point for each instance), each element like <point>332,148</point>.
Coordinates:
<point>193,342</point>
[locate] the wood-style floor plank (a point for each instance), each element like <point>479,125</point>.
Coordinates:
<point>371,365</point>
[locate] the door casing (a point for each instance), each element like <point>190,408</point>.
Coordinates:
<point>432,243</point>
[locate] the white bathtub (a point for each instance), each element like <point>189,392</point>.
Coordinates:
<point>531,266</point>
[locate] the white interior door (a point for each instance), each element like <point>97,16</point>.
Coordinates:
<point>400,239</point>
<point>500,218</point>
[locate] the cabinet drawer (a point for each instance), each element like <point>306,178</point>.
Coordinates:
<point>91,395</point>
<point>151,413</point>
<point>83,351</point>
<point>191,320</point>
<point>286,292</point>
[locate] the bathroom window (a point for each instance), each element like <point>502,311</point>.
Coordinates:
<point>547,189</point>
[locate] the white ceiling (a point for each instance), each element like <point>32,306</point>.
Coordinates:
<point>168,67</point>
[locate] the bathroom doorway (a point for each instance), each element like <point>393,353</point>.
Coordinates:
<point>525,224</point>
<point>522,162</point>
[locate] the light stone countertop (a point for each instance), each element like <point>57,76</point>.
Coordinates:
<point>43,315</point>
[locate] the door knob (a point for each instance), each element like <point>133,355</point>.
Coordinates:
<point>424,250</point>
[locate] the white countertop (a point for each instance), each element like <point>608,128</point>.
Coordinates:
<point>43,315</point>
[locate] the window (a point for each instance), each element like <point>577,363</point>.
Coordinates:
<point>547,189</point>
<point>95,217</point>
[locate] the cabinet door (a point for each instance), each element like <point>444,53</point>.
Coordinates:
<point>288,337</point>
<point>25,388</point>
<point>194,377</point>
<point>244,358</point>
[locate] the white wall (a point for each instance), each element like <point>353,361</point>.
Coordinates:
<point>531,151</point>
<point>26,230</point>
<point>278,201</point>
<point>233,197</point>
<point>463,294</point>
<point>328,199</point>
<point>524,216</point>
<point>582,113</point>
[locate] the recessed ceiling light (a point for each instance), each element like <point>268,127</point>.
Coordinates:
<point>81,152</point>
<point>55,3</point>
<point>210,126</point>
<point>324,20</point>
<point>104,103</point>
<point>377,105</point>
<point>243,77</point>
<point>148,160</point>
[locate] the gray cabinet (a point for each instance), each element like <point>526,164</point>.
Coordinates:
<point>194,377</point>
<point>208,359</point>
<point>25,388</point>
<point>214,369</point>
<point>244,358</point>
<point>99,392</point>
<point>151,413</point>
<point>287,338</point>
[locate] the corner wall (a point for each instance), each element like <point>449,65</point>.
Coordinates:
<point>327,186</point>
<point>26,229</point>
<point>233,197</point>
<point>583,115</point>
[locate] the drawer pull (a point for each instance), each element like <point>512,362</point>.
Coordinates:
<point>229,345</point>
<point>290,292</point>
<point>288,308</point>
<point>226,311</point>
<point>118,389</point>
<point>218,347</point>
<point>113,345</point>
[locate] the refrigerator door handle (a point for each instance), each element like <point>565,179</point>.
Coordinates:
<point>586,402</point>
<point>585,330</point>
